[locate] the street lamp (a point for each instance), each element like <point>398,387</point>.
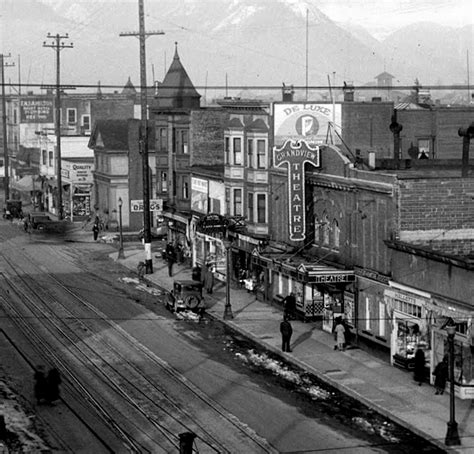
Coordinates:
<point>121,255</point>
<point>228,308</point>
<point>452,435</point>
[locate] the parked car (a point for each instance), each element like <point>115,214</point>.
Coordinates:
<point>186,294</point>
<point>39,221</point>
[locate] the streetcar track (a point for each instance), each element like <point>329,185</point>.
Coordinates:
<point>174,374</point>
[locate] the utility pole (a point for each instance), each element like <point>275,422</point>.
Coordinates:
<point>142,35</point>
<point>6,163</point>
<point>58,46</point>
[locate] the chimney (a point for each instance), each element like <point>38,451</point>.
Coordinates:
<point>348,91</point>
<point>287,93</point>
<point>396,129</point>
<point>467,134</point>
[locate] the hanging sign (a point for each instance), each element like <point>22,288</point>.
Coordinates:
<point>295,154</point>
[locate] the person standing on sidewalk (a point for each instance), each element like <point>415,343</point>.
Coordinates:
<point>289,305</point>
<point>441,375</point>
<point>340,332</point>
<point>286,331</point>
<point>170,257</point>
<point>419,366</point>
<point>95,230</point>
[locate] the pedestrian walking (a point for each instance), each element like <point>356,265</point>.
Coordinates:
<point>170,258</point>
<point>441,375</point>
<point>419,366</point>
<point>53,380</point>
<point>340,334</point>
<point>95,230</point>
<point>286,331</point>
<point>40,387</point>
<point>289,306</point>
<point>209,279</point>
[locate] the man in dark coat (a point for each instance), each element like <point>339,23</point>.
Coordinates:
<point>286,331</point>
<point>170,257</point>
<point>441,376</point>
<point>289,305</point>
<point>419,366</point>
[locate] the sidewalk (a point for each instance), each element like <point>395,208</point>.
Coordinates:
<point>387,389</point>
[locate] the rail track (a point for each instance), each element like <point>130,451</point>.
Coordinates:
<point>90,348</point>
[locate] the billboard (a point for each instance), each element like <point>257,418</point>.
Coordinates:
<point>36,110</point>
<point>306,121</point>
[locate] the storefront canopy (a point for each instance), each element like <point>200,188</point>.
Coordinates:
<point>302,269</point>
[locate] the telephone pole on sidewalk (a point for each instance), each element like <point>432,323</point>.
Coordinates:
<point>58,46</point>
<point>6,158</point>
<point>142,35</point>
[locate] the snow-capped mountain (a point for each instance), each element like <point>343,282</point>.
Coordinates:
<point>234,42</point>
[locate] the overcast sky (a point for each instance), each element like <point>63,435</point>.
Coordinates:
<point>383,16</point>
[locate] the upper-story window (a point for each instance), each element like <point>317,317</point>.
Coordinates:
<point>250,153</point>
<point>182,141</point>
<point>226,150</point>
<point>185,189</point>
<point>162,139</point>
<point>44,157</point>
<point>86,123</point>
<point>71,116</point>
<point>164,182</point>
<point>237,206</point>
<point>336,233</point>
<point>237,151</point>
<point>424,149</point>
<point>326,229</point>
<point>261,154</point>
<point>262,208</point>
<point>50,159</point>
<point>250,216</point>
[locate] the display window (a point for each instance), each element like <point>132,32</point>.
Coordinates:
<point>410,336</point>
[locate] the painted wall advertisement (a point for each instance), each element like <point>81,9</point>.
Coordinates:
<point>311,122</point>
<point>36,110</point>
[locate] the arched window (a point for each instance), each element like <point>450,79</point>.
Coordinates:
<point>326,228</point>
<point>336,233</point>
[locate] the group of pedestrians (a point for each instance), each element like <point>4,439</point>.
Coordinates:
<point>46,385</point>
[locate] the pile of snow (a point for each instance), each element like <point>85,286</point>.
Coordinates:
<point>17,422</point>
<point>282,371</point>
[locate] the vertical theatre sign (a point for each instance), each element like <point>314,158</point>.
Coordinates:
<point>295,154</point>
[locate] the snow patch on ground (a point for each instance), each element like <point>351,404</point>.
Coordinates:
<point>280,370</point>
<point>17,422</point>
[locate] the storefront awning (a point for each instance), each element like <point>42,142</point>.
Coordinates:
<point>304,271</point>
<point>26,184</point>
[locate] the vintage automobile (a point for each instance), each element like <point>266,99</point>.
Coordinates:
<point>186,294</point>
<point>39,220</point>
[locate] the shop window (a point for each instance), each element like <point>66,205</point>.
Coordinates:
<point>367,314</point>
<point>250,207</point>
<point>237,151</point>
<point>382,316</point>
<point>410,337</point>
<point>261,154</point>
